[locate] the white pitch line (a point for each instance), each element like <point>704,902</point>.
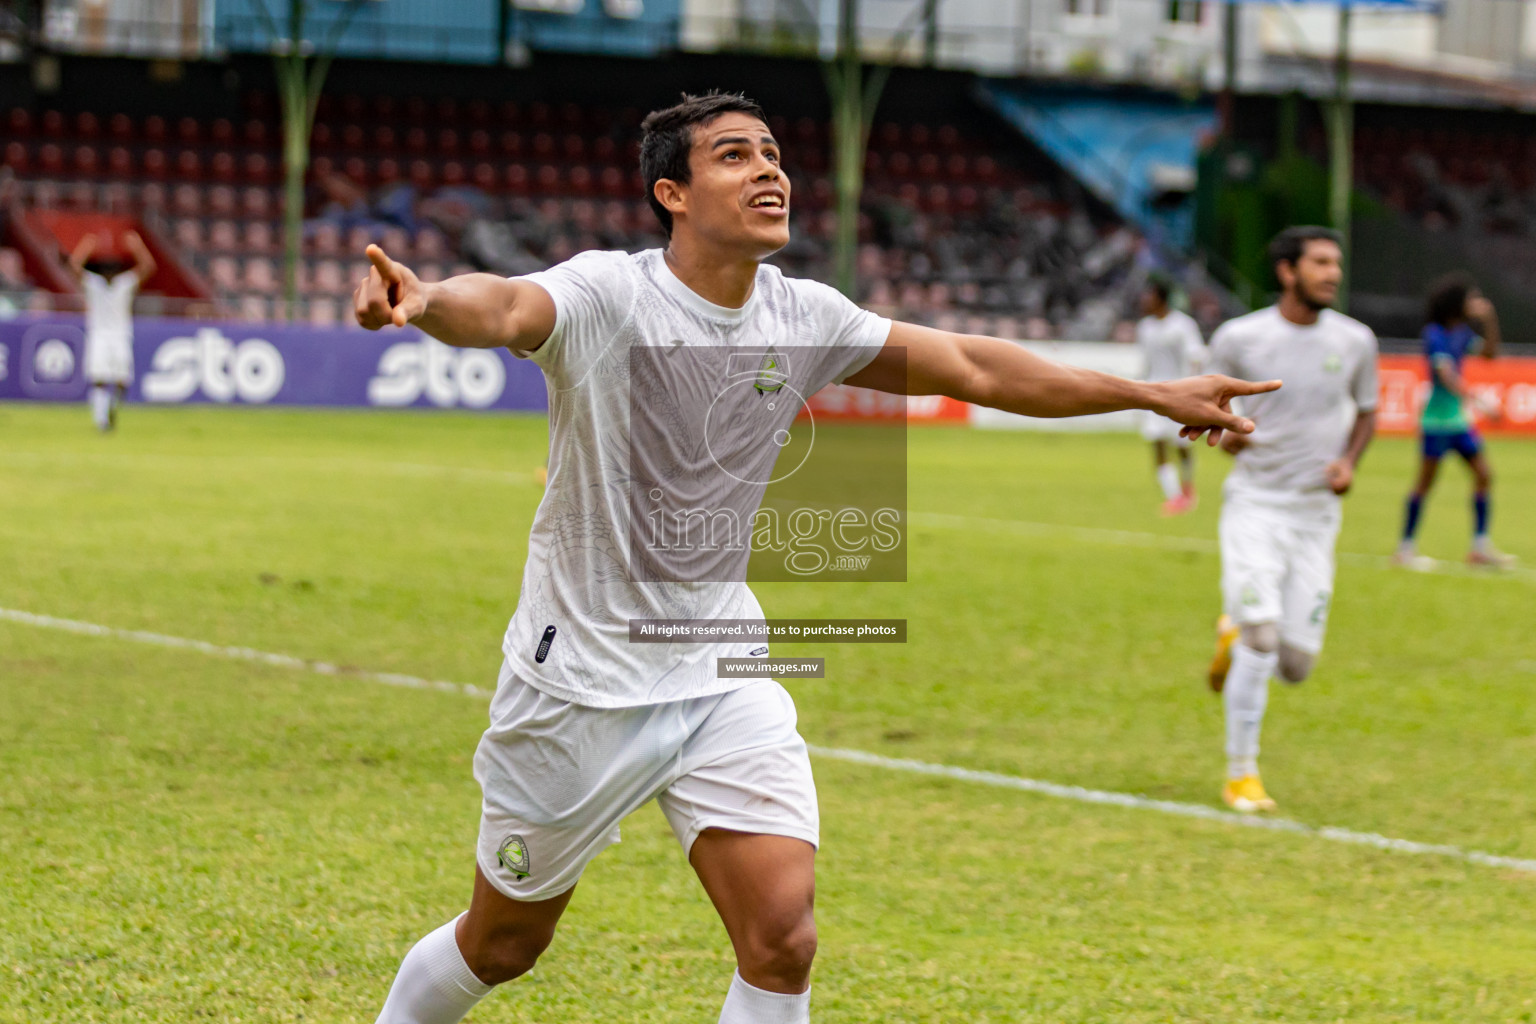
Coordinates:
<point>1172,542</point>
<point>1077,794</point>
<point>323,668</point>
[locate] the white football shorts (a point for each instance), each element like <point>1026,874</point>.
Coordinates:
<point>1278,567</point>
<point>557,778</point>
<point>109,359</point>
<point>1161,428</point>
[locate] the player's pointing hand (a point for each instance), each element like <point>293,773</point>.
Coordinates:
<point>390,294</point>
<point>1204,404</point>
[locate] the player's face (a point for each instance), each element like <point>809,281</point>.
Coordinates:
<point>1151,303</point>
<point>1315,278</point>
<point>739,195</point>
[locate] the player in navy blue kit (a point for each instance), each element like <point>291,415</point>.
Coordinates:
<point>1460,320</point>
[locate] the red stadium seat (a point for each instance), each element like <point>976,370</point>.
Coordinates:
<point>546,180</point>
<point>454,173</point>
<point>573,147</point>
<point>321,138</point>
<point>116,198</point>
<point>187,201</point>
<point>385,139</point>
<point>543,146</point>
<point>416,110</point>
<point>120,127</point>
<point>447,142</point>
<point>223,237</point>
<point>516,178</point>
<point>18,123</point>
<point>257,169</point>
<point>612,183</point>
<point>928,165</point>
<point>51,158</point>
<point>255,203</point>
<point>224,273</point>
<point>388,171</point>
<point>86,161</point>
<point>421,174</point>
<point>353,138</point>
<point>321,167</point>
<point>222,132</point>
<point>188,233</point>
<point>511,144</point>
<point>385,108</point>
<point>223,166</point>
<point>416,140</point>
<point>356,168</point>
<point>154,129</point>
<point>580,180</point>
<point>53,124</point>
<point>16,156</point>
<point>509,112</point>
<point>484,176</point>
<point>189,165</point>
<point>221,201</point>
<point>119,162</point>
<point>87,126</point>
<point>479,111</point>
<point>604,149</point>
<point>259,275</point>
<point>188,131</point>
<point>260,237</point>
<point>480,142</point>
<point>254,132</point>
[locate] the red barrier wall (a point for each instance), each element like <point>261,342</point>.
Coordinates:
<point>1510,382</point>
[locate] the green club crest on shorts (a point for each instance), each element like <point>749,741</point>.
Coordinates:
<point>513,855</point>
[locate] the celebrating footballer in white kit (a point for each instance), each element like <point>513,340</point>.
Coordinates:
<point>109,289</point>
<point>585,727</point>
<point>1171,347</point>
<point>1281,505</point>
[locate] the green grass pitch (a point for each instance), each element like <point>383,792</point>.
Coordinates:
<point>184,837</point>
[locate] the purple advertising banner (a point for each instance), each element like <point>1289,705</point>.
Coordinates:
<point>185,361</point>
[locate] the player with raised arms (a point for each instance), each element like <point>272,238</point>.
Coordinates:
<point>585,727</point>
<point>109,288</point>
<point>1460,319</point>
<point>1281,504</point>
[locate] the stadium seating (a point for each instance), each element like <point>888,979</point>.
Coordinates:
<point>951,233</point>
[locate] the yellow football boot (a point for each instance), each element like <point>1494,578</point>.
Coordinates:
<point>1226,635</point>
<point>1246,795</point>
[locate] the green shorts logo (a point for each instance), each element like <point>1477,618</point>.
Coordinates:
<point>1249,596</point>
<point>513,856</point>
<point>770,376</point>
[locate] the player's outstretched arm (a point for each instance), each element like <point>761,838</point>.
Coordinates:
<point>996,373</point>
<point>470,311</point>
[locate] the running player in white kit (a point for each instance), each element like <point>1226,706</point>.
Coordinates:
<point>585,726</point>
<point>1172,347</point>
<point>109,290</point>
<point>1281,505</point>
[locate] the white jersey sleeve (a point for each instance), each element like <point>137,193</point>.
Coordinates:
<point>848,338</point>
<point>594,294</point>
<point>1364,385</point>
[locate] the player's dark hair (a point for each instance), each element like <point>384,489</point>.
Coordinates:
<point>1161,285</point>
<point>1447,302</point>
<point>667,138</point>
<point>1289,245</point>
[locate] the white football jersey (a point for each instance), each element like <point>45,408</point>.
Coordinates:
<point>1171,345</point>
<point>570,633</point>
<point>1329,374</point>
<point>109,304</point>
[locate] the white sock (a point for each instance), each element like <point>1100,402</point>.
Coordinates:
<point>435,985</point>
<point>101,406</point>
<point>1245,696</point>
<point>747,1005</point>
<point>1168,477</point>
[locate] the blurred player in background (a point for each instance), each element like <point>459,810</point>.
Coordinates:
<point>1170,342</point>
<point>585,726</point>
<point>1281,505</point>
<point>1460,318</point>
<point>109,289</point>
